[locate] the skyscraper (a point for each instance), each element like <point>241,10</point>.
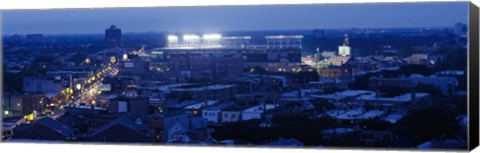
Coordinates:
<point>113,35</point>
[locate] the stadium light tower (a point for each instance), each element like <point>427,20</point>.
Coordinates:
<point>191,40</point>
<point>172,40</point>
<point>191,37</point>
<point>211,40</point>
<point>212,36</point>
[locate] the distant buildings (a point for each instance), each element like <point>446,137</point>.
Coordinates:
<point>376,82</point>
<point>256,112</point>
<point>133,66</point>
<point>446,84</point>
<point>42,84</point>
<point>418,59</point>
<point>460,29</point>
<point>120,130</point>
<point>318,33</point>
<point>284,41</point>
<point>113,35</point>
<point>43,129</point>
<point>137,107</point>
<point>204,66</point>
<point>35,38</point>
<point>16,104</point>
<point>333,72</point>
<point>184,127</point>
<point>215,91</point>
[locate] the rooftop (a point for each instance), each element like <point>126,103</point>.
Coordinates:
<point>260,108</point>
<point>345,94</point>
<point>203,88</point>
<point>402,98</point>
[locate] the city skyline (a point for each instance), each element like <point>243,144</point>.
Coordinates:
<point>235,18</point>
<point>206,83</point>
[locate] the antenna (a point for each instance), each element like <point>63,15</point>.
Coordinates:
<point>345,41</point>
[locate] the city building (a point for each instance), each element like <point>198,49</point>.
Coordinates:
<point>419,59</point>
<point>45,129</point>
<point>212,92</point>
<point>213,114</point>
<point>460,29</point>
<point>42,84</point>
<point>15,104</point>
<point>344,50</point>
<point>335,72</point>
<point>120,130</point>
<point>184,127</point>
<point>137,107</point>
<point>376,82</point>
<point>133,66</point>
<point>232,114</point>
<point>113,35</point>
<point>284,41</point>
<point>256,112</point>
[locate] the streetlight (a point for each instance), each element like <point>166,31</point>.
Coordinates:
<point>78,86</point>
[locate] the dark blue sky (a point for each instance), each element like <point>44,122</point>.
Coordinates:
<point>226,18</point>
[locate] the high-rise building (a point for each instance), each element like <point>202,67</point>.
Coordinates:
<point>113,35</point>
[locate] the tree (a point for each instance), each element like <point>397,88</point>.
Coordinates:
<point>427,123</point>
<point>79,58</point>
<point>323,105</point>
<point>375,124</point>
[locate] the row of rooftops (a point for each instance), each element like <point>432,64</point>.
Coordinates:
<point>368,95</point>
<point>204,88</point>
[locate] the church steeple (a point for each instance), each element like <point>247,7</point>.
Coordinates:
<point>345,41</point>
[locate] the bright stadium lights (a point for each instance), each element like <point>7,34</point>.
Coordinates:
<point>172,38</point>
<point>212,36</point>
<point>190,37</point>
<point>236,37</point>
<point>284,37</point>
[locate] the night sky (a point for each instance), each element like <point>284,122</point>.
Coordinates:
<point>228,18</point>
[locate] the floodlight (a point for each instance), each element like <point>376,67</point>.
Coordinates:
<point>172,38</point>
<point>212,36</point>
<point>190,37</point>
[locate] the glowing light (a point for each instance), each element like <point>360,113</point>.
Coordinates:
<point>31,117</point>
<point>93,102</point>
<point>113,59</point>
<point>78,86</point>
<point>237,37</point>
<point>6,112</point>
<point>87,60</point>
<point>190,37</point>
<point>212,36</point>
<point>284,37</point>
<point>125,57</point>
<point>172,38</point>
